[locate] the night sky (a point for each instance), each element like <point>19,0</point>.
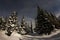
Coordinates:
<point>28,8</point>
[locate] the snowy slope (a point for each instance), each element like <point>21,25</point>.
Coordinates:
<point>16,36</point>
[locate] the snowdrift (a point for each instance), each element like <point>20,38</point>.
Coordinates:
<point>16,36</point>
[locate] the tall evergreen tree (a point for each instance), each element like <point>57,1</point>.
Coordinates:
<point>43,26</point>
<point>24,28</point>
<point>12,23</point>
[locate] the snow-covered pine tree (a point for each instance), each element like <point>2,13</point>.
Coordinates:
<point>2,23</point>
<point>12,23</point>
<point>43,26</point>
<point>23,29</point>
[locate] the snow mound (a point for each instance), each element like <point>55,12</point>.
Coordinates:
<point>16,36</point>
<point>45,36</point>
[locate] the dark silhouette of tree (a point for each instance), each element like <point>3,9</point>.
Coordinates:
<point>43,26</point>
<point>31,28</point>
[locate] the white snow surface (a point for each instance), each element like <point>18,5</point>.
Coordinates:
<point>16,36</point>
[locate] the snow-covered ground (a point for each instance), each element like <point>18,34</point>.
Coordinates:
<point>16,36</point>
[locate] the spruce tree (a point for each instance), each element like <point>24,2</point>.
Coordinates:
<point>2,23</point>
<point>12,23</point>
<point>24,28</point>
<point>43,26</point>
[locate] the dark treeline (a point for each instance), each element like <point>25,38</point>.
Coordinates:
<point>45,23</point>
